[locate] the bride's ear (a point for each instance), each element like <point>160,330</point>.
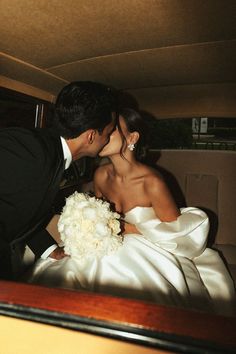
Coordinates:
<point>134,137</point>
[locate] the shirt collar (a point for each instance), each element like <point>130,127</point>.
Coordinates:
<point>66,153</point>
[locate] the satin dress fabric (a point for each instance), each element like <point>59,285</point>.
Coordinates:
<point>168,263</point>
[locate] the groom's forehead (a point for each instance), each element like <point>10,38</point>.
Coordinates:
<point>115,117</point>
<point>109,128</point>
<point>112,125</point>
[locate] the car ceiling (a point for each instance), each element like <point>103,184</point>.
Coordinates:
<point>129,44</point>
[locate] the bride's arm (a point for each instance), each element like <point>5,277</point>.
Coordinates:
<point>161,199</point>
<point>129,229</point>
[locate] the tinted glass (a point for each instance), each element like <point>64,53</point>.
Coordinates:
<point>193,133</point>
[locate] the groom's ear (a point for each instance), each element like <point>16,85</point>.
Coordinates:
<point>90,136</point>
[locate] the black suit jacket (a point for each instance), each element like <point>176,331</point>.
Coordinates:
<point>32,166</point>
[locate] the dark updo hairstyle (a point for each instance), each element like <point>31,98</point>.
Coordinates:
<point>134,123</point>
<point>83,105</point>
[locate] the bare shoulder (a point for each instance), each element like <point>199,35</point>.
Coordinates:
<point>153,181</point>
<point>101,172</point>
<point>159,195</point>
<point>151,175</point>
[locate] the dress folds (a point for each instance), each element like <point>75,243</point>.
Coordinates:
<point>167,263</point>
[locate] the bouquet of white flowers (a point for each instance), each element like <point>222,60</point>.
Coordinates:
<point>88,227</point>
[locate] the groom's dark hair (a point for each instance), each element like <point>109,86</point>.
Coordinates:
<point>83,105</point>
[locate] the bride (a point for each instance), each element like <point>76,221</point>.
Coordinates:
<point>164,256</point>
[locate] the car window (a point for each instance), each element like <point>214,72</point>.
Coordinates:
<point>192,133</point>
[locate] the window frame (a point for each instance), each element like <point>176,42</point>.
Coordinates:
<point>135,321</point>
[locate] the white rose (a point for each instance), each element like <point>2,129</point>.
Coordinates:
<point>114,226</point>
<point>88,227</point>
<point>101,229</point>
<point>89,213</point>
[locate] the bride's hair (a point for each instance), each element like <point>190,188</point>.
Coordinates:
<point>134,123</point>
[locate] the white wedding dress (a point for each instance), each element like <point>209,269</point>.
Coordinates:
<point>167,264</point>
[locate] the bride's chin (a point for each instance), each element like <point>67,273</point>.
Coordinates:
<point>102,154</point>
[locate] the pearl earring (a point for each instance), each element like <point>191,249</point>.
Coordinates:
<point>131,147</point>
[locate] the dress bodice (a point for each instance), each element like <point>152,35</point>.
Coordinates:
<point>140,214</point>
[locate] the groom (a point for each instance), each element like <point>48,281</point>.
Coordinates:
<point>32,165</point>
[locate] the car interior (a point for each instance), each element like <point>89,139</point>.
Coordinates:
<point>172,60</point>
